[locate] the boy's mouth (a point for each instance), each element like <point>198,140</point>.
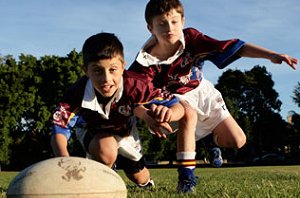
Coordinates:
<point>106,88</point>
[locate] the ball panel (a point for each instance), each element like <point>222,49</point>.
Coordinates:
<point>67,177</point>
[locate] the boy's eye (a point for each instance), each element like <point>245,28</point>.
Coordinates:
<point>98,71</point>
<point>112,69</point>
<point>162,23</point>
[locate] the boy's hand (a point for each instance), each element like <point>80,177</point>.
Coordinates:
<point>279,58</point>
<point>161,113</point>
<point>161,130</point>
<point>157,119</point>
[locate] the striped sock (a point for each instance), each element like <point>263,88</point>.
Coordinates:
<point>186,160</point>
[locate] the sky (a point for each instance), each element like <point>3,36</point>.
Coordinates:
<point>56,27</point>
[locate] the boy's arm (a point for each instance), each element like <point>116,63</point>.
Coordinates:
<point>64,120</point>
<point>254,51</point>
<point>162,113</point>
<point>145,114</point>
<point>59,144</point>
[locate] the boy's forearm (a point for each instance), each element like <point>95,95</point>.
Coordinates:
<point>59,145</point>
<point>178,112</point>
<point>140,112</point>
<point>255,51</point>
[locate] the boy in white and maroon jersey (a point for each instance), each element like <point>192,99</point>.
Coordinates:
<point>102,106</point>
<point>173,57</point>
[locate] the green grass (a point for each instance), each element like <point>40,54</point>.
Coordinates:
<point>271,181</point>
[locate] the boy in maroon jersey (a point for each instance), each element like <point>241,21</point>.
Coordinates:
<point>102,106</point>
<point>173,57</point>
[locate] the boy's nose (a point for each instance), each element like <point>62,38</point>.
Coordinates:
<point>104,77</point>
<point>169,26</point>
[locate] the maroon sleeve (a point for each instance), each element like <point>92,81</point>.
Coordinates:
<point>200,43</point>
<point>141,89</point>
<point>148,71</point>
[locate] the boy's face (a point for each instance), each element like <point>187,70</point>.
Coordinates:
<point>167,28</point>
<point>106,75</point>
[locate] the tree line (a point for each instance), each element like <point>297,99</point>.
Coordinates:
<point>31,88</point>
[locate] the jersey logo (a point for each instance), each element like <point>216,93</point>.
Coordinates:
<point>62,116</point>
<point>125,110</point>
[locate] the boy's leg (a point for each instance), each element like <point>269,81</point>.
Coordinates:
<point>186,154</point>
<point>136,171</point>
<point>132,161</point>
<point>229,134</point>
<point>103,148</point>
<point>214,117</point>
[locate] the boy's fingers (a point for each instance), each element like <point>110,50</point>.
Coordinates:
<point>161,130</point>
<point>166,128</point>
<point>162,114</point>
<point>153,107</point>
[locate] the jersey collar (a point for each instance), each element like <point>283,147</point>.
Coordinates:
<point>90,100</point>
<point>146,59</point>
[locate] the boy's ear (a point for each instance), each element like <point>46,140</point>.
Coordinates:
<point>84,68</point>
<point>124,65</point>
<point>149,28</point>
<point>183,20</point>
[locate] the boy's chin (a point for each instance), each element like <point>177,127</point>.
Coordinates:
<point>108,94</point>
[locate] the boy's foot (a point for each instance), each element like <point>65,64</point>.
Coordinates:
<point>150,184</point>
<point>186,181</point>
<point>217,159</point>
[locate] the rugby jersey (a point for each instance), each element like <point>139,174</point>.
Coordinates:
<point>183,71</point>
<point>80,106</point>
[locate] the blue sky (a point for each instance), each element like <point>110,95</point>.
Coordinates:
<point>58,26</point>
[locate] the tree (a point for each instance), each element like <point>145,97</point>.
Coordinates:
<point>16,96</point>
<point>30,90</point>
<point>254,103</point>
<point>294,123</point>
<point>296,97</point>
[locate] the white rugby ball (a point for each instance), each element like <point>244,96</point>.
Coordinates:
<point>67,177</point>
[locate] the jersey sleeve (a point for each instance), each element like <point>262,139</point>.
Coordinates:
<point>160,101</point>
<point>228,55</point>
<point>143,92</point>
<point>220,52</point>
<point>147,70</point>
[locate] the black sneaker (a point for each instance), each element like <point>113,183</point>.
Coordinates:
<point>186,181</point>
<point>217,159</point>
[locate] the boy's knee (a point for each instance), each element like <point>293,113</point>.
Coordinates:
<point>234,142</point>
<point>239,142</point>
<point>107,160</point>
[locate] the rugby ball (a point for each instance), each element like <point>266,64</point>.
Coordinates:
<point>67,177</point>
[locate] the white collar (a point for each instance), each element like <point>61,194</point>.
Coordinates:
<point>146,59</point>
<point>90,101</point>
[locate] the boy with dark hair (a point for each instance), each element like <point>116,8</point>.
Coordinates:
<point>102,107</point>
<point>173,57</point>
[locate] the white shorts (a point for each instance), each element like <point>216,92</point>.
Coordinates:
<point>210,106</point>
<point>129,147</point>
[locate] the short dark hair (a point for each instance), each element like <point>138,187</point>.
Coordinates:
<point>159,7</point>
<point>101,46</point>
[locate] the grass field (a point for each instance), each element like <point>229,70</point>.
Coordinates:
<point>267,181</point>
